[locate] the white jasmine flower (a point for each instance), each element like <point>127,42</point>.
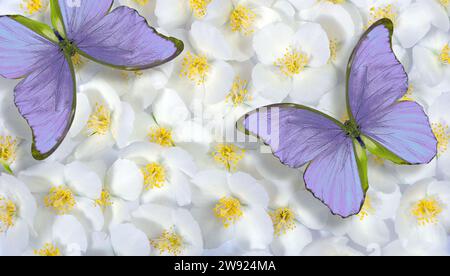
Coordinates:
<point>432,58</point>
<point>17,214</point>
<point>166,172</point>
<point>440,119</point>
<point>290,62</point>
<point>171,124</point>
<point>64,236</point>
<point>102,119</point>
<point>423,217</point>
<point>66,190</point>
<point>233,207</point>
<point>180,13</point>
<point>412,20</point>
<point>35,9</point>
<point>158,230</point>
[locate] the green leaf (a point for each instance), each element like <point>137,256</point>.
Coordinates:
<point>38,27</point>
<point>56,18</point>
<point>379,150</point>
<point>361,161</point>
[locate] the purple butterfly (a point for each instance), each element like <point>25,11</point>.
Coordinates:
<point>46,97</point>
<point>380,122</point>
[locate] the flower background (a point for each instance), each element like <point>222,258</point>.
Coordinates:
<point>151,165</point>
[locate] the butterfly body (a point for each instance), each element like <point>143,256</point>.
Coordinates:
<point>336,153</point>
<point>41,56</point>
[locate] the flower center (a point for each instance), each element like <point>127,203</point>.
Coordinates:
<point>441,132</point>
<point>32,6</point>
<point>336,1</point>
<point>195,68</point>
<point>142,2</point>
<point>199,7</point>
<point>242,19</point>
<point>228,210</point>
<point>161,136</point>
<point>60,199</point>
<point>100,120</point>
<point>169,242</point>
<point>49,250</point>
<point>444,3</point>
<point>77,60</point>
<point>228,156</point>
<point>427,211</point>
<point>8,212</point>
<point>239,93</point>
<point>367,209</point>
<point>445,55</point>
<point>292,63</point>
<point>333,49</point>
<point>408,95</point>
<point>104,200</point>
<point>283,220</point>
<point>8,147</point>
<point>154,176</point>
<point>387,11</point>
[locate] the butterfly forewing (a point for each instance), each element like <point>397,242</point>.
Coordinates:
<point>45,98</point>
<point>120,38</point>
<point>399,131</point>
<point>299,135</point>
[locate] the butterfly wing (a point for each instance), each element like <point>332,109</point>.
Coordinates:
<point>45,98</point>
<point>120,38</point>
<point>394,130</point>
<point>298,135</point>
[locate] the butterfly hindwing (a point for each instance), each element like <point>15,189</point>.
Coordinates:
<point>120,38</point>
<point>46,96</point>
<point>393,129</point>
<point>298,135</point>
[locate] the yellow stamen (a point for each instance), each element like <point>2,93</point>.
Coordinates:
<point>378,160</point>
<point>382,12</point>
<point>367,209</point>
<point>60,199</point>
<point>292,63</point>
<point>104,200</point>
<point>8,148</point>
<point>333,49</point>
<point>283,220</point>
<point>161,136</point>
<point>169,242</point>
<point>8,212</point>
<point>142,2</point>
<point>242,19</point>
<point>199,7</point>
<point>154,176</point>
<point>228,210</point>
<point>49,250</point>
<point>442,135</point>
<point>408,95</point>
<point>32,6</point>
<point>336,1</point>
<point>445,3</point>
<point>239,93</point>
<point>427,211</point>
<point>444,57</point>
<point>77,60</point>
<point>228,156</point>
<point>195,68</point>
<point>100,120</point>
